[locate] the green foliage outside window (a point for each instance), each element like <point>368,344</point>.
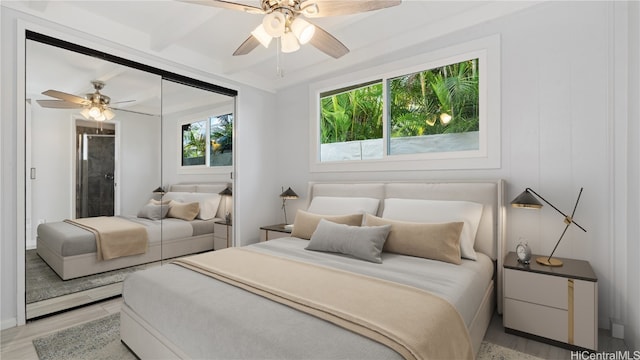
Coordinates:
<point>194,143</point>
<point>352,115</point>
<point>437,101</point>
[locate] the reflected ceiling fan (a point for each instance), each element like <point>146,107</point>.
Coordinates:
<point>94,106</point>
<point>284,20</point>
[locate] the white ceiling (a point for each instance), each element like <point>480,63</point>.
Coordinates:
<point>204,38</point>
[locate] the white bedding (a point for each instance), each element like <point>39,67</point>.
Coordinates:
<point>217,320</point>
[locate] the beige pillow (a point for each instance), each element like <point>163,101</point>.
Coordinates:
<point>305,223</point>
<point>439,241</point>
<point>184,211</point>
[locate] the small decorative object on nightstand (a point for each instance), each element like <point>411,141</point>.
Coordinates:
<point>523,252</point>
<point>271,232</point>
<point>557,305</point>
<point>528,201</point>
<point>222,235</point>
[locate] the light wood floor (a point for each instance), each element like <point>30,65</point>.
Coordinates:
<point>17,342</point>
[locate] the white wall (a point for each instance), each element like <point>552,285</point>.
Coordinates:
<point>632,330</point>
<point>557,123</point>
<point>140,161</point>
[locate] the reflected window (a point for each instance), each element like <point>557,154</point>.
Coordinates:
<point>221,140</point>
<point>209,142</point>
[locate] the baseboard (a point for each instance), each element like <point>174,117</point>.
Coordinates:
<point>8,323</point>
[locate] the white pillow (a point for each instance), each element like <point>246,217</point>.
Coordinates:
<point>328,205</point>
<point>208,202</point>
<point>434,211</point>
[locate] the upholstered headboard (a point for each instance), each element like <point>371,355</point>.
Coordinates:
<point>209,188</point>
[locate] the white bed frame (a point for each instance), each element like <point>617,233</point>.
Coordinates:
<point>69,267</point>
<point>147,343</point>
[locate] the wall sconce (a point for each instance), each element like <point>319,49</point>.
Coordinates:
<point>287,195</point>
<point>527,200</point>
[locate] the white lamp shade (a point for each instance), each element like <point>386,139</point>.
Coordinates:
<point>303,30</point>
<point>274,24</point>
<point>85,113</point>
<point>108,114</point>
<point>100,117</point>
<point>262,36</point>
<point>94,111</point>
<point>289,43</point>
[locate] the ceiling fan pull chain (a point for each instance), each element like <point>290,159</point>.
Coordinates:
<point>279,70</point>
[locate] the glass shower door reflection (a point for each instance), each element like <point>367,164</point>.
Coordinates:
<point>95,186</point>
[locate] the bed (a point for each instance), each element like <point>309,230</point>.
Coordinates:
<point>175,312</point>
<point>71,251</point>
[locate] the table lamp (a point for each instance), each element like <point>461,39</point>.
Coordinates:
<point>287,195</point>
<point>226,193</point>
<point>527,200</point>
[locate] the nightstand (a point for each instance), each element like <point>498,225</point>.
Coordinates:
<point>271,232</point>
<point>557,305</point>
<point>222,235</point>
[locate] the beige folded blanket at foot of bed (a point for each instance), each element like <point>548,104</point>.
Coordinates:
<point>413,322</point>
<point>115,237</point>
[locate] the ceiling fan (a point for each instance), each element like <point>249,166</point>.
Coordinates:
<point>284,20</point>
<point>95,105</point>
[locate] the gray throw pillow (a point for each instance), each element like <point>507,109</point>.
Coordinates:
<point>153,212</point>
<point>362,242</point>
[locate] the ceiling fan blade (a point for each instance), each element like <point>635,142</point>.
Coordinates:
<point>67,97</point>
<point>328,44</point>
<point>247,46</point>
<point>133,112</point>
<point>58,104</point>
<point>121,102</point>
<point>226,5</point>
<point>322,8</point>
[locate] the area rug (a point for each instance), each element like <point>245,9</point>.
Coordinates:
<point>100,340</point>
<point>43,283</point>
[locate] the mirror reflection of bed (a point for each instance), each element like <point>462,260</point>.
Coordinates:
<point>67,259</point>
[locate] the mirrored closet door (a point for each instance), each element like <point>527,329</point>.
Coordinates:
<point>102,146</point>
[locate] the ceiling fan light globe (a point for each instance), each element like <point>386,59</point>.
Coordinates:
<point>303,30</point>
<point>261,35</point>
<point>100,117</point>
<point>108,114</point>
<point>94,111</point>
<point>289,43</point>
<point>274,24</point>
<point>85,113</point>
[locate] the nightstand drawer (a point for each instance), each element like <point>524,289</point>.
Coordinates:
<point>537,288</point>
<point>536,319</point>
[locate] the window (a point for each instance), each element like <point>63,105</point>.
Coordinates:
<point>436,111</point>
<point>208,143</point>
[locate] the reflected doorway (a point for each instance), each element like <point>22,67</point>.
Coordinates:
<point>95,169</point>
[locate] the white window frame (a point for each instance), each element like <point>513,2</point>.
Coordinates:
<point>487,50</point>
<point>206,168</point>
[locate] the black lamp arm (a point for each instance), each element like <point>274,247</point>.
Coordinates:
<point>568,218</point>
